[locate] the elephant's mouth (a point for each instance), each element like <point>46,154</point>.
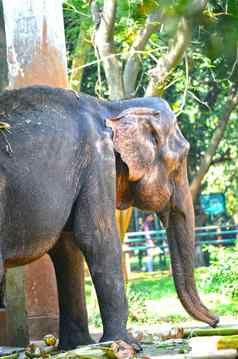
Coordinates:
<point>150,197</point>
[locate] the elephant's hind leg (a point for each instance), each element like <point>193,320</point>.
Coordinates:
<point>69,269</point>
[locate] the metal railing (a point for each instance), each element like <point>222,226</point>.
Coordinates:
<point>214,235</point>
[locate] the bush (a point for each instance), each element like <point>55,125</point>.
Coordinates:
<point>137,307</point>
<point>222,275</point>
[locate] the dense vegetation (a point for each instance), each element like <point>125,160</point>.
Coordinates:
<point>184,50</point>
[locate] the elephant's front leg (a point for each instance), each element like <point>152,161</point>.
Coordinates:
<point>96,235</point>
<point>69,268</point>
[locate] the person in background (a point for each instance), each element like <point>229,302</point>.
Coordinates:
<point>149,226</point>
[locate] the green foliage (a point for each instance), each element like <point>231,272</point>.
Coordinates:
<point>198,91</point>
<point>78,22</point>
<point>76,17</point>
<point>222,275</point>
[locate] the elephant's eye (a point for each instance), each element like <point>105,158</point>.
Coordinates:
<point>154,138</point>
<point>153,134</point>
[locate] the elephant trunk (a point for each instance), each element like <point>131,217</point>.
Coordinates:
<point>181,244</point>
<point>180,232</point>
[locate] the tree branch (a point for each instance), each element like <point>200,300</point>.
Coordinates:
<point>223,158</point>
<point>206,161</point>
<point>169,60</point>
<point>194,7</point>
<point>104,43</point>
<point>132,66</point>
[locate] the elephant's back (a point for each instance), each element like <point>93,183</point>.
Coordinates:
<point>42,123</point>
<point>42,155</point>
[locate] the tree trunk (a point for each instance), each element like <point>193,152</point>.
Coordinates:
<point>133,63</point>
<point>105,46</point>
<point>169,60</point>
<point>123,220</point>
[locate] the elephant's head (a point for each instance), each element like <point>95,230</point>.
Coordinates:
<point>151,155</point>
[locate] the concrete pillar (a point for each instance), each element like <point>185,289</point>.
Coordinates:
<point>35,54</point>
<point>3,60</point>
<point>35,43</point>
<point>17,329</point>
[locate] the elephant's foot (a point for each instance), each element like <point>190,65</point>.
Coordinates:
<point>123,335</point>
<point>70,339</point>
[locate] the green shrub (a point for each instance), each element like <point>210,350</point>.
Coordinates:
<point>222,275</point>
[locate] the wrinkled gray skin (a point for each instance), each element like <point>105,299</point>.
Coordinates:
<point>68,172</point>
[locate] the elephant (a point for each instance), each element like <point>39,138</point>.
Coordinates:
<point>67,161</point>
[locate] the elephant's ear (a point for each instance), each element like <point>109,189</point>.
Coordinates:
<point>133,140</point>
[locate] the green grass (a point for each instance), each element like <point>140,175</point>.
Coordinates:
<point>155,285</point>
<point>153,299</point>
